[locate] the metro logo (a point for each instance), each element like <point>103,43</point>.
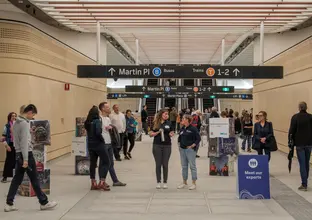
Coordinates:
<point>210,72</point>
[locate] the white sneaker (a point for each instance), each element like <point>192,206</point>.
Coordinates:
<point>158,186</point>
<point>10,208</point>
<point>182,186</point>
<point>165,186</point>
<point>192,187</point>
<point>48,206</point>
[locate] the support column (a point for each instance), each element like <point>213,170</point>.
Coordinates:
<point>98,43</point>
<point>199,100</point>
<point>224,82</point>
<point>159,100</point>
<point>179,104</point>
<point>135,81</point>
<point>261,43</point>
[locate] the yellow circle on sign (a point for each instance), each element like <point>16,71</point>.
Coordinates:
<point>210,71</point>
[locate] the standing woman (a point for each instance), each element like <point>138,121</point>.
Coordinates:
<point>263,132</point>
<point>189,139</point>
<point>162,145</point>
<point>7,139</point>
<point>130,134</point>
<point>96,148</point>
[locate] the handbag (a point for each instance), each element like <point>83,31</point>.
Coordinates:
<point>271,143</point>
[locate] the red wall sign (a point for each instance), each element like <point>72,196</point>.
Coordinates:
<point>67,86</point>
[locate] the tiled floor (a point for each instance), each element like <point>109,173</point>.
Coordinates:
<point>215,197</point>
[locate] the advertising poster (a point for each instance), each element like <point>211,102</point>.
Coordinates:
<point>25,189</point>
<point>219,127</point>
<point>40,155</point>
<point>79,146</point>
<point>80,130</point>
<point>82,165</point>
<point>218,166</point>
<point>253,181</point>
<point>40,132</point>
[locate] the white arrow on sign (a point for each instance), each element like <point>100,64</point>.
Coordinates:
<point>143,88</point>
<point>111,71</point>
<point>209,89</point>
<point>236,71</point>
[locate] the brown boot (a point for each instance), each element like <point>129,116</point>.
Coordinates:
<point>94,185</point>
<point>103,186</point>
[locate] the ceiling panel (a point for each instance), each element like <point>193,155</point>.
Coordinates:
<point>179,31</point>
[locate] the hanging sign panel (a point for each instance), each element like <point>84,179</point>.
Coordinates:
<point>170,89</point>
<point>179,95</point>
<point>180,72</point>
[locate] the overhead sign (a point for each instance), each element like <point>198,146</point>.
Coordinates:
<point>181,71</point>
<point>168,89</point>
<point>179,95</point>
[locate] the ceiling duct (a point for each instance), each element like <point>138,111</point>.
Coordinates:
<point>306,24</point>
<point>241,47</point>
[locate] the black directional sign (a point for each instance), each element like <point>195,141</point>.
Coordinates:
<point>170,89</point>
<point>181,71</point>
<point>175,95</point>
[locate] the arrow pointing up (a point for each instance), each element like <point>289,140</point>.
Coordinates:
<point>236,71</point>
<point>209,89</point>
<point>111,71</point>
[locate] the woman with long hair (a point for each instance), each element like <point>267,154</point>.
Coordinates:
<point>130,133</point>
<point>162,131</point>
<point>93,126</point>
<point>189,140</point>
<point>7,139</point>
<point>263,132</point>
<point>247,129</point>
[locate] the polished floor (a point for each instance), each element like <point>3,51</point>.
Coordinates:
<point>214,199</point>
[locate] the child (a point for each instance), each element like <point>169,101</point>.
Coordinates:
<point>247,129</point>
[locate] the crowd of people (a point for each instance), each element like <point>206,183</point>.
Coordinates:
<point>109,132</point>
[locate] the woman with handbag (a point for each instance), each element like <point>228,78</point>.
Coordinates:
<point>264,136</point>
<point>7,139</point>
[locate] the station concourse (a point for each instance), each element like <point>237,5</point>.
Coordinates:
<point>198,58</point>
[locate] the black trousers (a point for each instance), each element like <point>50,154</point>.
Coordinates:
<point>266,151</point>
<point>96,152</point>
<point>145,127</point>
<point>31,171</point>
<point>131,138</point>
<point>9,164</point>
<point>173,125</point>
<point>161,155</point>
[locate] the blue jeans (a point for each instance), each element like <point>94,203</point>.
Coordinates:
<point>304,154</point>
<point>188,157</point>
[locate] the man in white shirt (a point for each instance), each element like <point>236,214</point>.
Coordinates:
<point>119,121</point>
<point>106,126</point>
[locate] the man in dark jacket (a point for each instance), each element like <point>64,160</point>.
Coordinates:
<point>301,132</point>
<point>144,117</point>
<point>214,113</point>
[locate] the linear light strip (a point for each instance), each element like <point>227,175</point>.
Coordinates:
<point>182,2</point>
<point>179,16</point>
<point>214,13</point>
<point>182,19</point>
<point>166,8</point>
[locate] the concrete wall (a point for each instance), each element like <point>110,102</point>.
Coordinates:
<point>280,98</point>
<point>34,69</point>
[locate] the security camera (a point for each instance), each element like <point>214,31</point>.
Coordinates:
<point>115,79</point>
